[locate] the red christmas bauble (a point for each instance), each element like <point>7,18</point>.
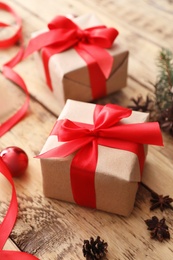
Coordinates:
<point>15,159</point>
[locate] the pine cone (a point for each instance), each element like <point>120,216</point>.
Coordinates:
<point>94,249</point>
<point>166,120</point>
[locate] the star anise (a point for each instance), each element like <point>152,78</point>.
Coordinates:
<point>158,228</point>
<point>160,201</point>
<point>166,120</point>
<point>142,105</point>
<point>94,249</point>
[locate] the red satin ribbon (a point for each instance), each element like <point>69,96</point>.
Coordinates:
<point>84,139</point>
<point>89,43</point>
<point>18,34</point>
<point>10,73</point>
<point>9,220</point>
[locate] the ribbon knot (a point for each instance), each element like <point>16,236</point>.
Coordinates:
<point>83,35</point>
<point>94,133</point>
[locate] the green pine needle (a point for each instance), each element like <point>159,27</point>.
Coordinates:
<point>164,84</point>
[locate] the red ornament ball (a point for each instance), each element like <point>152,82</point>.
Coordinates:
<point>15,159</point>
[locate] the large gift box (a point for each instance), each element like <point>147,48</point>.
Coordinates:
<point>95,155</point>
<point>85,60</point>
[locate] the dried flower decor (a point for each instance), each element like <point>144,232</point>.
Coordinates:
<point>160,201</point>
<point>158,228</point>
<point>142,105</point>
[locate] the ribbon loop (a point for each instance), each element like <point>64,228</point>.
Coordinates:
<point>60,22</point>
<point>109,115</point>
<point>70,131</point>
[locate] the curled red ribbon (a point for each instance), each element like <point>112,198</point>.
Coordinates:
<point>10,73</point>
<point>11,215</point>
<point>9,221</point>
<point>18,34</point>
<point>107,130</point>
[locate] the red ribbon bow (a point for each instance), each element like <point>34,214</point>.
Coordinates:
<point>89,43</point>
<point>107,130</point>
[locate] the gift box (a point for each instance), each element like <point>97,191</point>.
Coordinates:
<point>72,75</point>
<point>95,155</point>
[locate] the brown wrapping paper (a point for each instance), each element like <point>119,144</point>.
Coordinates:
<point>69,73</point>
<point>117,171</point>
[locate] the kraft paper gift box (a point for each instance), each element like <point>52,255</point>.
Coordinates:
<point>69,74</point>
<point>117,172</point>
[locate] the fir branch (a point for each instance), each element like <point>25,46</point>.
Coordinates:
<point>164,84</point>
<point>161,108</point>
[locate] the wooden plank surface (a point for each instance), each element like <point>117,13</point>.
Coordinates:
<point>52,229</point>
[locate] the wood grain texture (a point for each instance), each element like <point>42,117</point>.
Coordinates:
<point>53,229</point>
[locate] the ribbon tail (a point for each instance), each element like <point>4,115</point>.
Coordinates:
<point>39,41</point>
<point>65,149</point>
<point>149,133</point>
<point>142,133</point>
<point>58,39</point>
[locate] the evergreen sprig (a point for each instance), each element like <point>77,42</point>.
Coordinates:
<point>164,84</point>
<point>161,107</point>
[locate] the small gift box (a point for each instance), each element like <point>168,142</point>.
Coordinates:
<point>81,59</point>
<point>95,155</point>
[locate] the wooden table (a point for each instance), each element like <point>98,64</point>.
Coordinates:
<point>51,229</point>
